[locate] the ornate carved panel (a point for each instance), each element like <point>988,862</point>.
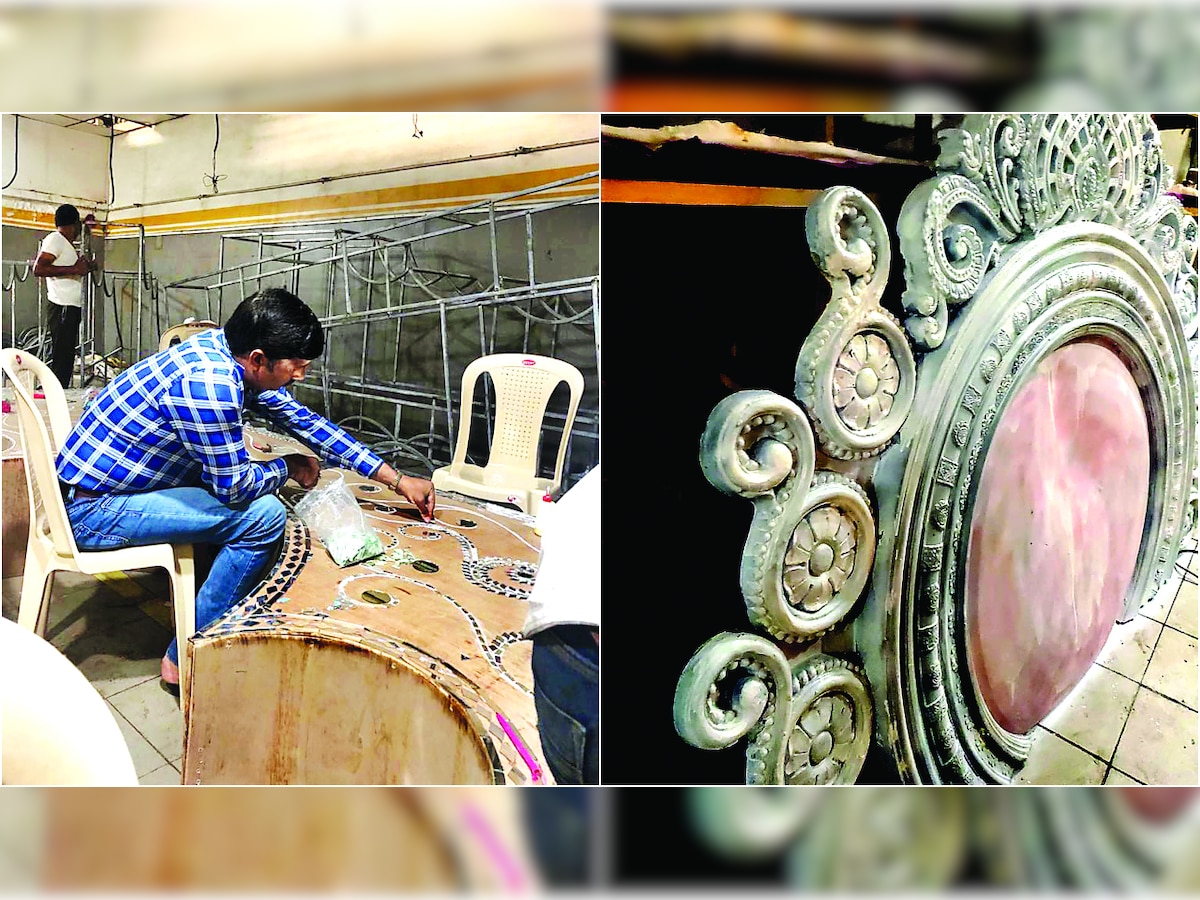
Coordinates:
<point>1038,233</point>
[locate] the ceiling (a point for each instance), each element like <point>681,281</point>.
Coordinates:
<point>125,122</point>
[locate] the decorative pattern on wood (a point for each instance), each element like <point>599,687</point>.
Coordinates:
<point>457,629</point>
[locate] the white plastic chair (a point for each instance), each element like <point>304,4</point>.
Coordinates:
<point>182,332</point>
<point>51,546</point>
<point>57,728</point>
<point>523,384</point>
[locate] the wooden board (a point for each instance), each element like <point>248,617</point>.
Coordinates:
<point>168,840</point>
<point>307,682</point>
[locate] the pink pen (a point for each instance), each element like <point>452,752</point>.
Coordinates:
<point>509,869</point>
<point>534,768</point>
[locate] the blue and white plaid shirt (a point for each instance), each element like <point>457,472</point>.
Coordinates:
<point>175,419</point>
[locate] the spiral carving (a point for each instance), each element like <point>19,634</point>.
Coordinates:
<point>806,724</point>
<point>856,372</point>
<point>734,687</point>
<point>756,442</point>
<point>949,231</point>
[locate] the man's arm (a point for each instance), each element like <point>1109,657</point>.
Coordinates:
<point>43,267</point>
<point>206,412</point>
<point>337,447</point>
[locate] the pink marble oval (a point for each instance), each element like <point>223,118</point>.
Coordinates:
<point>1159,805</point>
<point>1056,529</point>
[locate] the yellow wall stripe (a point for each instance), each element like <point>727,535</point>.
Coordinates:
<point>398,199</point>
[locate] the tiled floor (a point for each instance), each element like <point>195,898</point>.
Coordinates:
<point>1133,719</point>
<point>116,632</point>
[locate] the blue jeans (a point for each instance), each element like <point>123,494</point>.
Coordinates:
<point>566,693</point>
<point>247,537</point>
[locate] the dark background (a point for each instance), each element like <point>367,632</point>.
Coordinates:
<point>698,302</point>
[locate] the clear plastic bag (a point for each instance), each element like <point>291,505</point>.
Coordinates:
<point>333,515</point>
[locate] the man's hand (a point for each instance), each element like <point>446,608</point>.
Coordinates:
<point>304,470</point>
<point>82,266</point>
<point>419,493</point>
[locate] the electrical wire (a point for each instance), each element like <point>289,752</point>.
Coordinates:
<point>211,180</point>
<point>112,141</point>
<point>16,150</point>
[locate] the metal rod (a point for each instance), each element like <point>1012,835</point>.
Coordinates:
<point>260,261</point>
<point>404,241</point>
<point>446,378</point>
<point>362,370</point>
<point>492,244</point>
<point>478,204</point>
<point>529,245</point>
<point>486,298</point>
<point>487,400</point>
<point>554,330</point>
<point>325,372</point>
<point>220,288</point>
<point>346,277</point>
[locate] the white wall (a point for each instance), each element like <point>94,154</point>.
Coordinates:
<point>55,166</point>
<point>263,151</point>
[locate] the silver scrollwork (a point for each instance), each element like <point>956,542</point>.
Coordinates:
<point>855,373</point>
<point>809,723</point>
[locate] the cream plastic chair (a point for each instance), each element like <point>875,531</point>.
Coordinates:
<point>57,728</point>
<point>183,332</point>
<point>523,384</point>
<point>51,546</point>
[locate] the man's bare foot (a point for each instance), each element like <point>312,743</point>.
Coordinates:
<point>170,671</point>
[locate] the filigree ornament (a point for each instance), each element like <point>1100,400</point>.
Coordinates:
<point>805,724</point>
<point>855,373</point>
<point>1005,178</point>
<point>1079,281</point>
<point>811,542</point>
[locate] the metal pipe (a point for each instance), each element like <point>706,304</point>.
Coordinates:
<point>529,245</point>
<point>492,244</point>
<point>446,378</point>
<point>325,373</point>
<point>554,331</point>
<point>478,204</point>
<point>362,371</point>
<point>346,277</point>
<point>220,288</point>
<point>400,242</point>
<point>260,261</point>
<point>486,298</point>
<point>487,400</point>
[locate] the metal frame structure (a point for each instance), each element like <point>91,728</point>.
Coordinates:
<point>388,263</point>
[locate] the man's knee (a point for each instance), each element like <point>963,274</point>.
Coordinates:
<point>265,519</point>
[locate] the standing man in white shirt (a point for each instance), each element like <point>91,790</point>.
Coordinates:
<point>63,268</point>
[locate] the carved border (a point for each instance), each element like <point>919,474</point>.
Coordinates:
<point>1045,229</point>
<point>1077,281</point>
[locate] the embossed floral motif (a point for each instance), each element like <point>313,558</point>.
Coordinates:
<point>819,558</point>
<point>865,381</point>
<point>821,742</point>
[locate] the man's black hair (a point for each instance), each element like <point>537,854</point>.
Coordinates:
<point>66,215</point>
<point>278,323</point>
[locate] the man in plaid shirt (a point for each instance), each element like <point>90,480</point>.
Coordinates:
<point>159,457</point>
